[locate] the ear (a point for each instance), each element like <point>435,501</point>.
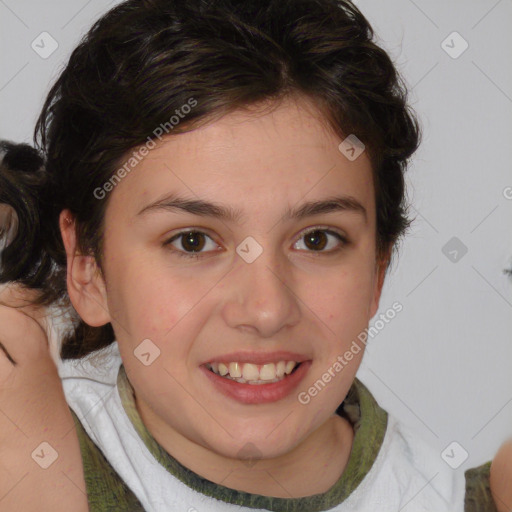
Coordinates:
<point>86,287</point>
<point>381,267</point>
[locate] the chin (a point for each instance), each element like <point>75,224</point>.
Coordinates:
<point>259,446</point>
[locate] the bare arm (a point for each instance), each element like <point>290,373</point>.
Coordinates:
<point>33,411</point>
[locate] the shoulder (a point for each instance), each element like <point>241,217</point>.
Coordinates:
<point>91,380</point>
<point>410,464</point>
<point>407,471</point>
<point>478,493</point>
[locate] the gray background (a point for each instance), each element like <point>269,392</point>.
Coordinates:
<point>443,365</point>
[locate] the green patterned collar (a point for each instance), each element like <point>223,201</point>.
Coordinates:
<point>359,407</point>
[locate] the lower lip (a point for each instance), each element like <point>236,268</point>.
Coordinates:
<point>258,393</point>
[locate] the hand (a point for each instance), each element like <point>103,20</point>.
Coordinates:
<point>21,320</point>
<point>34,411</point>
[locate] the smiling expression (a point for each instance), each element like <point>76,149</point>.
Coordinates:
<point>248,240</point>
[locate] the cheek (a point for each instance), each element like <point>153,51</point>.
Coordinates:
<point>139,296</point>
<point>343,300</point>
<point>151,301</point>
<point>146,311</point>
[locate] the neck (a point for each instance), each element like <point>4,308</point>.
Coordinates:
<point>291,475</point>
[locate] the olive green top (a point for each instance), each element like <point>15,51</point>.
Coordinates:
<point>478,492</point>
<point>106,491</point>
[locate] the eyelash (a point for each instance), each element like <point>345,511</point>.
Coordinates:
<point>199,255</point>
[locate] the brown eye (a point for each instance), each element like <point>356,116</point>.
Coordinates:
<point>317,240</point>
<point>193,241</point>
<point>191,244</point>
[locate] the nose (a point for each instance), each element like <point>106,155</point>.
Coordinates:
<point>260,296</point>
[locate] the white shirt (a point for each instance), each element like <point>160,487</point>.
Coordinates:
<point>408,475</point>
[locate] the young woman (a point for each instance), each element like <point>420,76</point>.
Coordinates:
<point>222,193</point>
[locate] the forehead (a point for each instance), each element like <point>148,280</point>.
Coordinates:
<point>255,158</point>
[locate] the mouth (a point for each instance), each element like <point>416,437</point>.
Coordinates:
<point>254,374</point>
<point>251,383</point>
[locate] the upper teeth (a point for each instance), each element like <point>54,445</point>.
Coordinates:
<point>252,372</point>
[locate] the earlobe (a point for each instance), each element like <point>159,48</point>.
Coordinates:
<point>86,286</point>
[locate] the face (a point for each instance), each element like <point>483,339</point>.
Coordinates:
<point>267,282</point>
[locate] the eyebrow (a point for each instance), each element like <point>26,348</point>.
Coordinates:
<point>332,204</point>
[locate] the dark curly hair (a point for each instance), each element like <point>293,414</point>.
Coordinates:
<point>144,59</point>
